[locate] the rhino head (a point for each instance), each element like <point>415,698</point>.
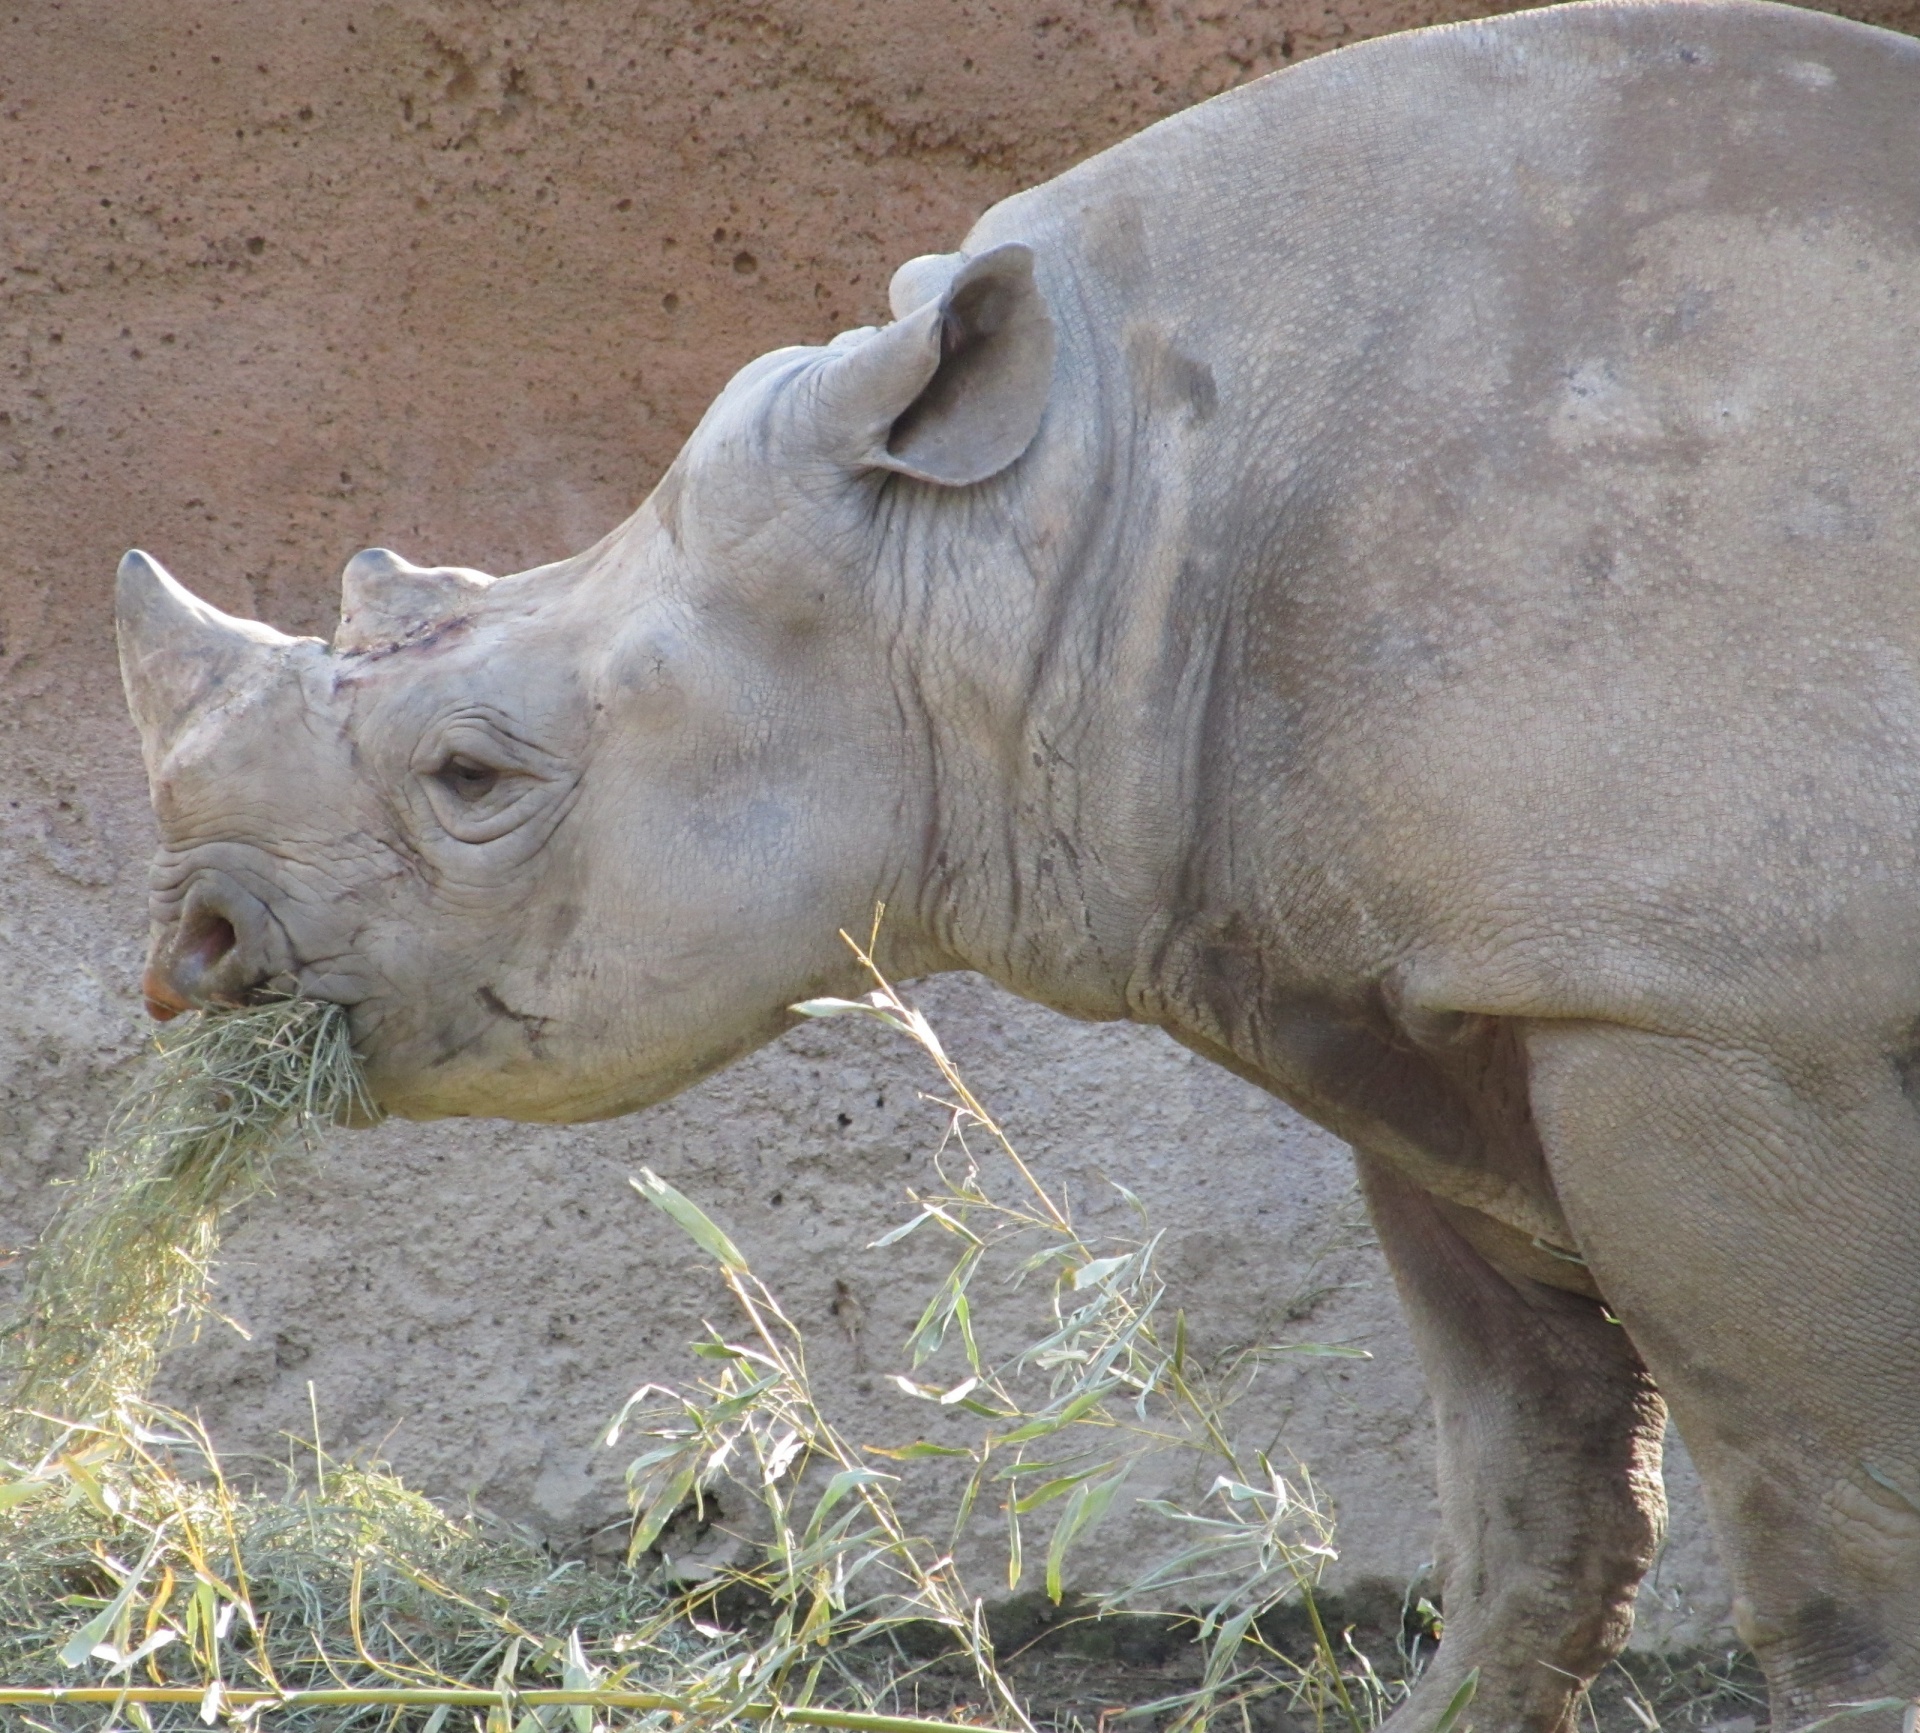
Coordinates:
<point>566,840</point>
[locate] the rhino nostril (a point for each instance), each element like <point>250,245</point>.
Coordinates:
<point>176,980</point>
<point>202,962</point>
<point>209,938</point>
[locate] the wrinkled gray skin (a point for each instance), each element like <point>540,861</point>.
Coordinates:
<point>1407,577</point>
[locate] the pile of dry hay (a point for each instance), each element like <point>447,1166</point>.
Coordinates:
<point>127,1558</point>
<point>127,1261</point>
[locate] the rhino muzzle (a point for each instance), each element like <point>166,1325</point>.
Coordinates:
<point>182,659</point>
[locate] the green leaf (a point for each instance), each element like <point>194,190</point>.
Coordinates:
<point>914,1452</point>
<point>963,1316</point>
<point>1086,1507</point>
<point>837,1488</point>
<point>660,1511</point>
<point>931,1330</point>
<point>1087,1399</point>
<point>619,1424</point>
<point>729,1408</point>
<point>119,1663</point>
<point>579,1674</point>
<point>1230,1636</point>
<point>1091,1275</point>
<point>20,1491</point>
<point>893,1235</point>
<point>1048,1491</point>
<point>1014,1470</point>
<point>964,1515</point>
<point>1457,1704</point>
<point>96,1630</point>
<point>1237,1491</point>
<point>88,1482</point>
<point>690,1217</point>
<point>647,1458</point>
<point>954,1225</point>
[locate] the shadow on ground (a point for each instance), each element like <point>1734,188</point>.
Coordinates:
<point>1076,1670</point>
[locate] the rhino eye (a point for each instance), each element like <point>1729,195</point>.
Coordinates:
<point>466,779</point>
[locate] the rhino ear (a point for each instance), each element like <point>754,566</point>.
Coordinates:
<point>385,600</point>
<point>178,653</point>
<point>953,391</point>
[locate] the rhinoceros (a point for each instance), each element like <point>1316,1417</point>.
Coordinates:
<point>1406,577</point>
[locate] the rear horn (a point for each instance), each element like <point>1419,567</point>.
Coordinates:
<point>386,600</point>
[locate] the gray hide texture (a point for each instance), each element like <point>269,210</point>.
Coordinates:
<point>1402,577</point>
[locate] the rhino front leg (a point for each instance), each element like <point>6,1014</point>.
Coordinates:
<point>1752,1212</point>
<point>1549,1456</point>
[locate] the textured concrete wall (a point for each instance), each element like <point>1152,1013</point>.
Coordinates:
<point>283,281</point>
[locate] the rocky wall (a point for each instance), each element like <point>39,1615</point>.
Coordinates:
<point>284,280</point>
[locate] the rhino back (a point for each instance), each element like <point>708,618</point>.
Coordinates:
<point>1526,414</point>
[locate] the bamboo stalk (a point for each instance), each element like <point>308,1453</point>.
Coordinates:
<point>427,1697</point>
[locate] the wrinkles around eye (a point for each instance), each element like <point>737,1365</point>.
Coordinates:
<point>507,803</point>
<point>483,737</point>
<point>474,779</point>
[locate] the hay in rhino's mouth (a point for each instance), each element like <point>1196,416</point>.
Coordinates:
<point>127,1260</point>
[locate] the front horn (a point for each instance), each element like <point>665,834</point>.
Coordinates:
<point>178,654</point>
